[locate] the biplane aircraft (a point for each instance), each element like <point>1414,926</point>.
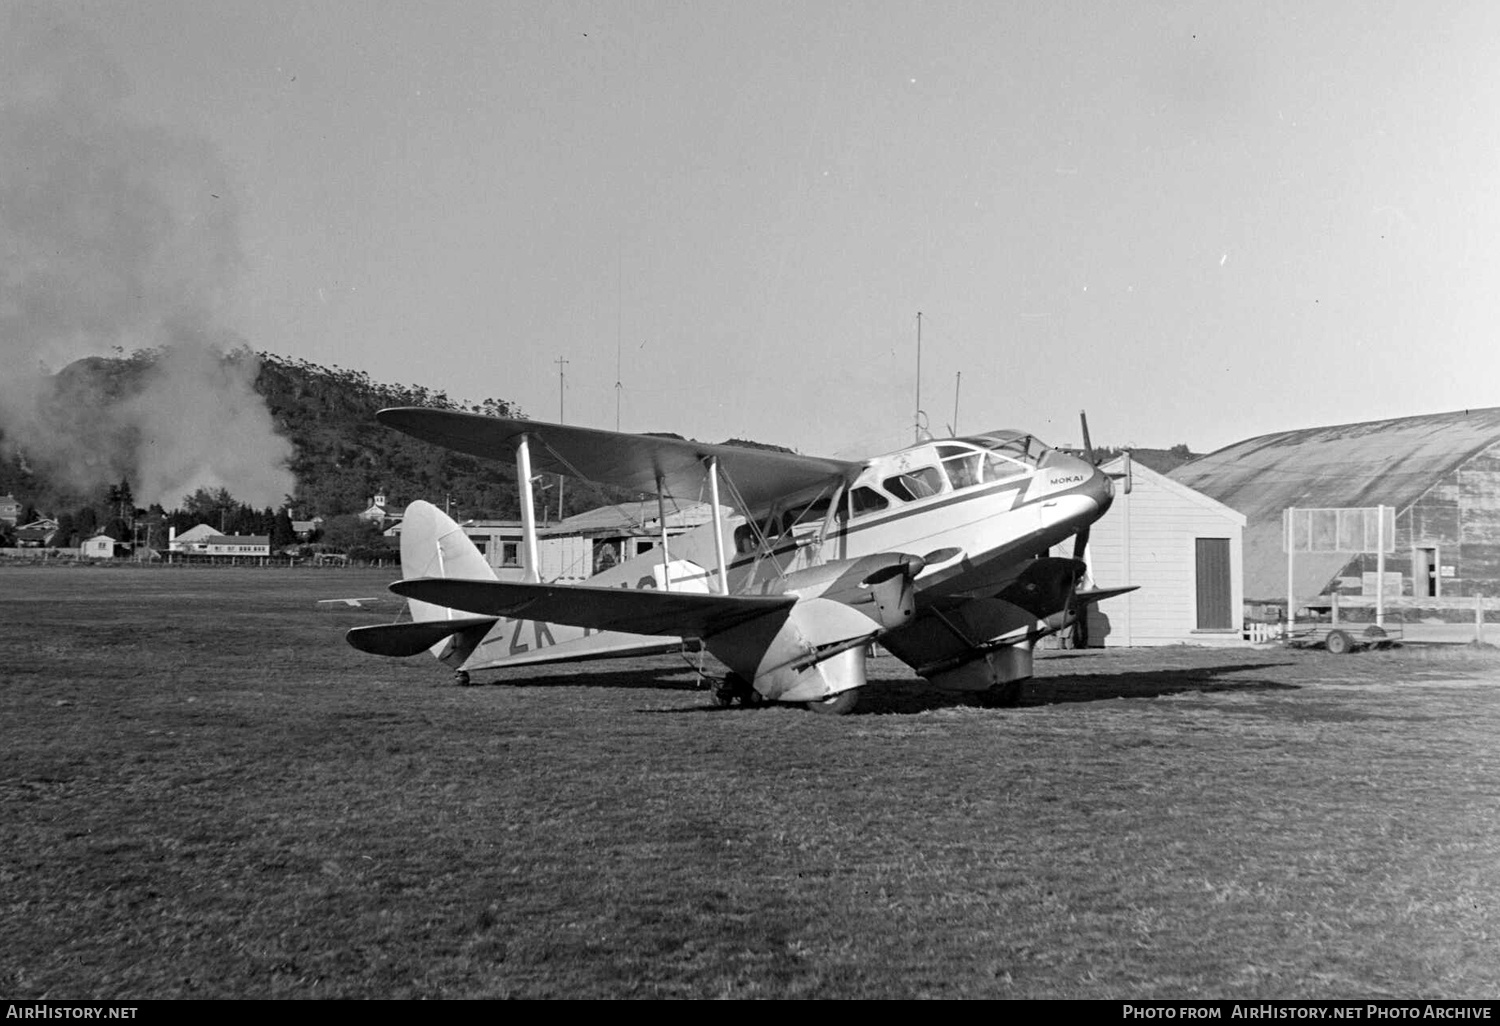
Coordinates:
<point>938,552</point>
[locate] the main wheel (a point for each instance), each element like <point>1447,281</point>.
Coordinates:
<point>1338,642</point>
<point>836,705</point>
<point>1002,696</point>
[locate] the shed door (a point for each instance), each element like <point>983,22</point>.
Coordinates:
<point>1214,612</point>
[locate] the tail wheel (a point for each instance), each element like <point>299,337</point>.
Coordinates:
<point>836,705</point>
<point>461,678</point>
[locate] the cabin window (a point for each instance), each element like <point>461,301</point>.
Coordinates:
<point>915,484</point>
<point>510,553</point>
<point>866,500</point>
<point>964,470</point>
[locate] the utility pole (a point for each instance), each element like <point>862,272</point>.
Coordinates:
<point>561,363</point>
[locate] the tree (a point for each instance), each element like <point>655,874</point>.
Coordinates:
<point>282,532</point>
<point>347,532</point>
<point>211,506</point>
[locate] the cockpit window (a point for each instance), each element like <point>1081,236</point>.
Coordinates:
<point>915,484</point>
<point>963,466</point>
<point>1016,444</point>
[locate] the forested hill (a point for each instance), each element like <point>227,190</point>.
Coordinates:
<point>343,457</point>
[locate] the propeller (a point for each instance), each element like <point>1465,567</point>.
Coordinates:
<point>1081,539</point>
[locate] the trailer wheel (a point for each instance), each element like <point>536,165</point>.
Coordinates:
<point>1338,642</point>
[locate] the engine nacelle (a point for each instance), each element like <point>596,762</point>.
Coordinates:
<point>815,652</point>
<point>894,594</point>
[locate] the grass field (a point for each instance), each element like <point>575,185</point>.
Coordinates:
<point>205,793</point>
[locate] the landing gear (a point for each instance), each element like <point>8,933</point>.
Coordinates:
<point>837,705</point>
<point>734,688</point>
<point>1002,696</point>
<point>461,678</point>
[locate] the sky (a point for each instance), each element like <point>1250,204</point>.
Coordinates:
<point>1199,222</point>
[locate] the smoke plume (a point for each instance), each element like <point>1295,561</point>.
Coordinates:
<point>118,236</point>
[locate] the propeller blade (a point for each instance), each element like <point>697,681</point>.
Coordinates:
<point>1080,543</point>
<point>1088,446</point>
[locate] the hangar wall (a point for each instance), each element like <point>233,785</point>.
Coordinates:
<point>1448,540</point>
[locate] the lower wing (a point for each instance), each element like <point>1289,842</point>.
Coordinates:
<point>638,611</point>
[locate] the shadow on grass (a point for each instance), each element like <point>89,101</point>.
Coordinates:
<point>908,696</point>
<point>671,679</point>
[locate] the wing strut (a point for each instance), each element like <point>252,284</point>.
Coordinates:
<point>528,507</point>
<point>661,522</point>
<point>713,497</point>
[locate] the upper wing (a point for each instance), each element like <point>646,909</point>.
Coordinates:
<point>636,462</point>
<point>643,611</point>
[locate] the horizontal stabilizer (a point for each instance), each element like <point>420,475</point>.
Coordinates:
<point>639,611</point>
<point>409,639</point>
<point>1084,596</point>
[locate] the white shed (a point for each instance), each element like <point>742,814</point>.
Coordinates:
<point>1184,551</point>
<point>100,546</point>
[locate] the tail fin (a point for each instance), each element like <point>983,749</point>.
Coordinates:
<point>432,545</point>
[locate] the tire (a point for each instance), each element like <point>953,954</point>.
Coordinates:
<point>1338,643</point>
<point>1003,696</point>
<point>838,705</point>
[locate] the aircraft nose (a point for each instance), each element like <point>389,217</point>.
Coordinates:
<point>1097,485</point>
<point>1102,489</point>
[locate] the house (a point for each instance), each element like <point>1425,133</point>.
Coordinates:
<point>305,529</point>
<point>188,540</point>
<point>39,534</point>
<point>10,509</point>
<point>377,512</point>
<point>1182,549</point>
<point>235,545</point>
<point>100,546</point>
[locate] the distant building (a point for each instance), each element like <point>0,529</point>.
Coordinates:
<point>378,514</point>
<point>39,534</point>
<point>305,529</point>
<point>1439,472</point>
<point>189,539</point>
<point>236,545</point>
<point>100,546</point>
<point>10,509</point>
<point>582,545</point>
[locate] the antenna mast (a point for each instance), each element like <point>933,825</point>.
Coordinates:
<point>917,420</point>
<point>561,363</point>
<point>957,382</point>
